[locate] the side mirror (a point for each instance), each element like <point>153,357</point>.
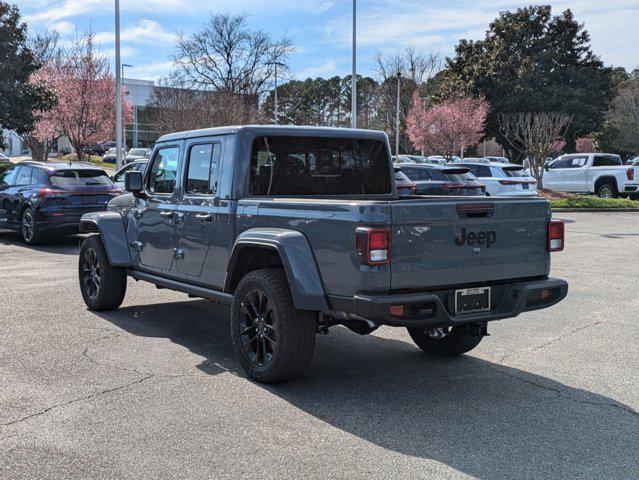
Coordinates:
<point>546,167</point>
<point>133,182</point>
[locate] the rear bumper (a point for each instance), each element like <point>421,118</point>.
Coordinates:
<point>63,220</point>
<point>430,309</point>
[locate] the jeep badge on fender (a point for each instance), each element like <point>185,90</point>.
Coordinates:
<point>476,238</point>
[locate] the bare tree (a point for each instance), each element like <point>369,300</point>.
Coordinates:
<point>228,56</point>
<point>173,107</point>
<point>415,69</point>
<point>413,65</point>
<point>45,47</point>
<point>624,116</point>
<point>534,134</point>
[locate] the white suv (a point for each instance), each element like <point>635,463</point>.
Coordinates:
<point>502,178</point>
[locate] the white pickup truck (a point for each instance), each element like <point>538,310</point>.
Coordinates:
<point>599,173</point>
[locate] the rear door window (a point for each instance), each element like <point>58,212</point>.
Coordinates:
<point>38,177</point>
<point>24,176</point>
<point>323,166</point>
<point>606,161</point>
<point>201,178</point>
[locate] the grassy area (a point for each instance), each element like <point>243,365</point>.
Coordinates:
<point>95,159</point>
<point>582,201</point>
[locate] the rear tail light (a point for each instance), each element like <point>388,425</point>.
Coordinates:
<point>555,236</point>
<point>509,182</point>
<point>373,245</point>
<point>50,192</point>
<point>453,185</point>
<point>630,173</point>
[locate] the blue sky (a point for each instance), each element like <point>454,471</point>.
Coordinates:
<point>320,29</point>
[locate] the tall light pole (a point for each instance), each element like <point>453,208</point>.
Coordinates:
<point>399,84</point>
<point>277,64</point>
<point>354,79</point>
<point>118,90</point>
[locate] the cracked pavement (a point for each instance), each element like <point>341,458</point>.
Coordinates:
<point>153,390</point>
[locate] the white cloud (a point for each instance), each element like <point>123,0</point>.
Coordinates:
<point>326,69</point>
<point>63,27</point>
<point>149,71</point>
<point>144,31</point>
<point>325,6</point>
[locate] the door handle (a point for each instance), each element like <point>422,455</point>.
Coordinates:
<point>204,217</point>
<point>167,215</point>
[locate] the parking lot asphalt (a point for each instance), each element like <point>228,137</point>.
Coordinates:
<point>153,390</point>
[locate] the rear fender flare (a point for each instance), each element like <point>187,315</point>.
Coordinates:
<point>297,258</point>
<point>110,226</point>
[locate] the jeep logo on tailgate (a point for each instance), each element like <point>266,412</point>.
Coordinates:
<point>476,238</point>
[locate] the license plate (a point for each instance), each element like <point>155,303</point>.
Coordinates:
<point>526,186</point>
<point>471,300</point>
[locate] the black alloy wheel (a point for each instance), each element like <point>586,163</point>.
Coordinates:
<point>257,328</point>
<point>90,272</point>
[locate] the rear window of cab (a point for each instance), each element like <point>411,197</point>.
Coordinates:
<point>322,166</point>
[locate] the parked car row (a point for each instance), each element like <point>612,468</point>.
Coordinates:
<point>471,176</point>
<point>131,156</point>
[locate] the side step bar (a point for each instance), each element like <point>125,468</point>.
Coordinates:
<point>221,297</point>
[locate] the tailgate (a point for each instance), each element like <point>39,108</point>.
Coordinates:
<point>459,242</point>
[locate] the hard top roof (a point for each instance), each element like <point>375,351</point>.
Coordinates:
<point>61,165</point>
<point>277,130</point>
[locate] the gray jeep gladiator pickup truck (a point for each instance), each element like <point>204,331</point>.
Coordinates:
<point>301,228</point>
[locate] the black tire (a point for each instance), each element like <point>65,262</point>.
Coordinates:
<point>103,286</point>
<point>29,229</point>
<point>607,190</point>
<point>264,319</point>
<point>457,342</point>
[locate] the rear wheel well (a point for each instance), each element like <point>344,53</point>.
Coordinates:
<point>252,258</point>
<point>601,180</point>
<point>22,208</point>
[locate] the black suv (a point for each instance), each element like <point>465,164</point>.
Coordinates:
<point>38,199</point>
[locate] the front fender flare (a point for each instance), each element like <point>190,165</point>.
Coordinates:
<point>297,257</point>
<point>110,225</point>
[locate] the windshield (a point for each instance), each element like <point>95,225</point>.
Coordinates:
<point>459,175</point>
<point>74,178</point>
<point>515,172</point>
<point>304,166</point>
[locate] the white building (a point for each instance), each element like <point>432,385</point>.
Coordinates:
<point>140,133</point>
<point>13,143</point>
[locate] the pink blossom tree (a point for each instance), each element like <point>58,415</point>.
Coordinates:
<point>448,127</point>
<point>45,129</point>
<point>585,145</point>
<point>86,97</point>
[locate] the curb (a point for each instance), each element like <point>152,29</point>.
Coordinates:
<point>620,210</point>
